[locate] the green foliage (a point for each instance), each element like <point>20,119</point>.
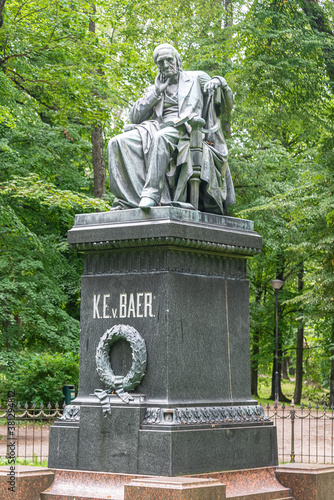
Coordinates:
<point>23,461</point>
<point>39,377</point>
<point>48,54</point>
<point>51,92</point>
<point>283,70</point>
<point>281,157</point>
<point>312,393</point>
<point>59,76</point>
<point>39,274</point>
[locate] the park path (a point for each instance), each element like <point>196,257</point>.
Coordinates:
<point>31,442</point>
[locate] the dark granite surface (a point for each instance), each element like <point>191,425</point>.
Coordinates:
<point>165,226</point>
<point>179,278</point>
<point>196,352</point>
<point>161,213</point>
<point>64,446</point>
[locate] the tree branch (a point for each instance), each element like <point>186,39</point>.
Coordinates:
<point>28,80</point>
<point>29,52</point>
<point>31,12</point>
<point>24,3</point>
<point>32,95</point>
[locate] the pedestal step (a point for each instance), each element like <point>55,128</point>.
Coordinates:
<point>308,481</point>
<point>76,485</point>
<point>23,482</point>
<point>86,485</point>
<point>260,496</point>
<point>251,484</point>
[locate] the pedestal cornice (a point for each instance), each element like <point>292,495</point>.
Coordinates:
<point>167,227</point>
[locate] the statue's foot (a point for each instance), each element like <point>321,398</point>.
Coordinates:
<point>146,202</point>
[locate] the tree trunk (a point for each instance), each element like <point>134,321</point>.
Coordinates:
<point>99,166</point>
<point>331,387</point>
<point>300,345</point>
<point>226,126</point>
<point>91,26</point>
<point>5,326</point>
<point>319,22</point>
<point>285,359</point>
<point>2,5</point>
<point>228,6</point>
<point>98,161</point>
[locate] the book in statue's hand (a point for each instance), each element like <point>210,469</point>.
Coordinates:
<point>175,123</point>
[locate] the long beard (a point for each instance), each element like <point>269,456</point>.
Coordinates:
<point>174,78</point>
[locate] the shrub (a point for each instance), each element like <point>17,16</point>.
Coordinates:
<point>39,377</point>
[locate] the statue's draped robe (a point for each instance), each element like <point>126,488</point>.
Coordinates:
<point>136,162</point>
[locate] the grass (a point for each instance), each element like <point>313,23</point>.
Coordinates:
<point>26,461</point>
<point>311,392</point>
<point>30,422</point>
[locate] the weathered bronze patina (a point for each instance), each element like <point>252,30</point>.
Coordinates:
<point>174,153</point>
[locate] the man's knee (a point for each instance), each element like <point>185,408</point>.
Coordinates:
<point>167,136</point>
<point>124,138</point>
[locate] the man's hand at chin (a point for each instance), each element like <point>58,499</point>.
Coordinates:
<point>160,86</point>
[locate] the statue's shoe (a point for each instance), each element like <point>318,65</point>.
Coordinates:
<point>146,202</point>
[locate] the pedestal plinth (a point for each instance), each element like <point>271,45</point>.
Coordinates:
<point>177,278</point>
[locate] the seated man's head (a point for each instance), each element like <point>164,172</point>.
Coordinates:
<point>168,60</point>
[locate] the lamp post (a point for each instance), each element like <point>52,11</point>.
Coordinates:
<point>277,285</point>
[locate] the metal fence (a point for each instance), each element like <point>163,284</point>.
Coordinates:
<point>305,434</point>
<point>24,431</point>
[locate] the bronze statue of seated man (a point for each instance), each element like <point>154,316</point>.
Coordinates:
<point>152,162</point>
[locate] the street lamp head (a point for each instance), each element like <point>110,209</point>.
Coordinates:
<point>277,284</point>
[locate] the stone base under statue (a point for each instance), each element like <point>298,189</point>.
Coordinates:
<point>175,280</point>
<point>306,481</point>
<point>136,439</point>
<point>255,484</point>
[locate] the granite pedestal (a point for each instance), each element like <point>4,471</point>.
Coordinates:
<point>308,481</point>
<point>24,482</point>
<point>178,277</point>
<point>251,484</point>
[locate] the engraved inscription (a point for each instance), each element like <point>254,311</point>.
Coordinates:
<point>127,305</point>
